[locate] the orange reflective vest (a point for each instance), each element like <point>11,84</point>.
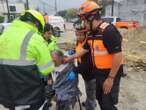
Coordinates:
<point>100,55</point>
<point>101,58</point>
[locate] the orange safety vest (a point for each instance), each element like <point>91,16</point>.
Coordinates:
<point>101,58</point>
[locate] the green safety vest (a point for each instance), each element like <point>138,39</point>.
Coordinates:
<point>52,45</point>
<point>53,38</point>
<point>21,44</point>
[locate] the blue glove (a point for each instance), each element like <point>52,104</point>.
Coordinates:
<point>71,76</point>
<point>71,52</point>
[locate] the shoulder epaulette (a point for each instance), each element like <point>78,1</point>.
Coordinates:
<point>104,25</point>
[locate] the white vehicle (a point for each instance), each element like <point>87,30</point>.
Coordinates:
<point>57,22</point>
<point>111,19</point>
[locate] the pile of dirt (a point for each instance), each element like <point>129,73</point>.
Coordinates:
<point>138,65</point>
<point>135,44</point>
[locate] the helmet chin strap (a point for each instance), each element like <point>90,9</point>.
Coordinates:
<point>90,20</point>
<point>91,25</point>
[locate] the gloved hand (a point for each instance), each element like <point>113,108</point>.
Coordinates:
<point>71,76</point>
<point>71,52</point>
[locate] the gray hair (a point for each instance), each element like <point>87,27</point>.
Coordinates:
<point>58,52</point>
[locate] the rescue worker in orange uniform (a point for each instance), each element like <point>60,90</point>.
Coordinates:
<point>104,41</point>
<point>85,67</point>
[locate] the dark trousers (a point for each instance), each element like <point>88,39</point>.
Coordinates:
<point>107,102</point>
<point>67,104</point>
<point>90,87</point>
<point>63,105</point>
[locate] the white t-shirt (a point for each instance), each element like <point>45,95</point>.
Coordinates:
<point>58,70</point>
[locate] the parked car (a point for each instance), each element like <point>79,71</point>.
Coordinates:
<point>121,23</point>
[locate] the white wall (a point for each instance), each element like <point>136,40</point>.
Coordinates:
<point>19,7</point>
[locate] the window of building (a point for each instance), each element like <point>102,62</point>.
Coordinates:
<point>12,8</point>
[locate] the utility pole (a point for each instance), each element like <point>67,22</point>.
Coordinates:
<point>56,6</point>
<point>112,11</point>
<point>27,5</point>
<point>8,10</point>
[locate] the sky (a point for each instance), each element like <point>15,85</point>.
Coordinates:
<point>64,4</point>
<point>49,5</point>
<point>61,4</point>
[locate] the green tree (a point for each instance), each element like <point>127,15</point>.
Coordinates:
<point>72,13</point>
<point>68,14</point>
<point>62,13</point>
<point>1,19</point>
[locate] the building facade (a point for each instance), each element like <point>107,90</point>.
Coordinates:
<point>129,10</point>
<point>14,8</point>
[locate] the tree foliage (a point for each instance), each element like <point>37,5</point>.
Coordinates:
<point>72,13</point>
<point>1,19</point>
<point>68,14</point>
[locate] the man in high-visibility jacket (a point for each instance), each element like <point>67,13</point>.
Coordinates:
<point>49,37</point>
<point>104,41</point>
<point>51,44</point>
<point>24,59</point>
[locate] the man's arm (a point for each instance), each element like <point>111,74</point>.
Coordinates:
<point>117,59</point>
<point>108,83</point>
<point>112,40</point>
<point>76,55</point>
<point>39,51</point>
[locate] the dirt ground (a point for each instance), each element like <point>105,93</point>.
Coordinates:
<point>133,87</point>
